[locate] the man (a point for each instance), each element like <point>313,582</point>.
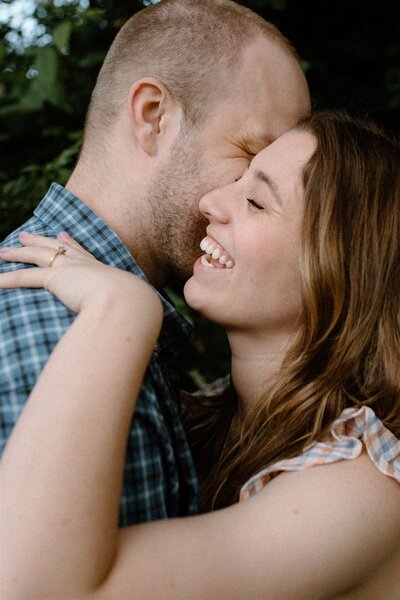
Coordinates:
<point>189,91</point>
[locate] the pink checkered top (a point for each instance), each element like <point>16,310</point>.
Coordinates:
<point>355,429</point>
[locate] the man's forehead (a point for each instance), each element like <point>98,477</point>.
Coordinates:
<point>249,132</point>
<point>271,90</point>
<point>261,127</point>
<point>255,139</point>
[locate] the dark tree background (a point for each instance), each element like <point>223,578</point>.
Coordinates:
<point>350,52</point>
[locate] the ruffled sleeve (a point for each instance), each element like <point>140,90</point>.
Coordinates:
<point>354,429</point>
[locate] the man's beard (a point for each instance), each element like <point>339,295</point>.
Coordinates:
<point>177,225</point>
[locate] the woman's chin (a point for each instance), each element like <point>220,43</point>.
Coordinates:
<point>192,298</point>
<point>199,300</point>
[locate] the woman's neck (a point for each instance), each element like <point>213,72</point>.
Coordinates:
<point>255,362</point>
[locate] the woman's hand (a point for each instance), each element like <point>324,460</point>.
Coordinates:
<point>73,275</point>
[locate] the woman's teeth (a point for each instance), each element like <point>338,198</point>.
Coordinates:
<point>205,262</point>
<point>215,256</point>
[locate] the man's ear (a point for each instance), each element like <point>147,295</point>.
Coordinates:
<point>152,113</point>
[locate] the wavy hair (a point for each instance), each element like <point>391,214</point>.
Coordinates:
<point>348,352</point>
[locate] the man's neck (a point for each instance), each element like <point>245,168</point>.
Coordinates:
<point>113,205</point>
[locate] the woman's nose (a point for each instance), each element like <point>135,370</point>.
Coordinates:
<point>215,205</point>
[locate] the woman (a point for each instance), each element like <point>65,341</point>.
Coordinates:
<point>304,276</point>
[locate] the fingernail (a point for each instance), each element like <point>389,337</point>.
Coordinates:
<point>63,235</point>
<point>4,249</point>
<point>24,234</point>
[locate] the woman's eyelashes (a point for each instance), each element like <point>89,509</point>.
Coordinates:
<point>255,204</point>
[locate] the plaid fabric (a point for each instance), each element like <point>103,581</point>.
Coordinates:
<point>160,480</point>
<point>354,429</point>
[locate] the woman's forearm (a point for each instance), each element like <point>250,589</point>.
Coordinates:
<point>62,468</point>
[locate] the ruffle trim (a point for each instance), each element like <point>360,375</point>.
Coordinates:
<point>354,429</point>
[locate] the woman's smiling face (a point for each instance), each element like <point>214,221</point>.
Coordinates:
<point>255,229</point>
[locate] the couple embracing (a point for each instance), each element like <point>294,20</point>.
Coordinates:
<point>199,149</point>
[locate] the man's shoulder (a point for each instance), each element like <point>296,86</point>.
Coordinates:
<point>34,225</point>
<point>31,322</point>
<point>22,308</point>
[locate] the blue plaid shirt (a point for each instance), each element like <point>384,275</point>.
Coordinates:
<point>160,480</point>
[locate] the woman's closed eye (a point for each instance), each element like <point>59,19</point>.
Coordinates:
<point>255,204</point>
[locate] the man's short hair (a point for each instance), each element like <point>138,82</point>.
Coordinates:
<point>192,46</point>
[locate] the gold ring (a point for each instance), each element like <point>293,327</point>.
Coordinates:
<point>60,250</point>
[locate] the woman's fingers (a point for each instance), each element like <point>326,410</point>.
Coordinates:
<point>77,280</point>
<point>33,255</point>
<point>63,238</point>
<point>70,273</point>
<point>44,251</point>
<point>27,278</point>
<point>31,239</point>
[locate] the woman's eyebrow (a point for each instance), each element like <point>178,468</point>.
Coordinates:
<point>261,176</point>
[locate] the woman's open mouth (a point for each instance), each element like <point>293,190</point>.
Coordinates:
<point>215,256</point>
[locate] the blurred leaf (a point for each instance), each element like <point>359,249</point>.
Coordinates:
<point>47,66</point>
<point>33,98</point>
<point>305,65</point>
<point>93,58</point>
<point>93,13</point>
<point>61,35</point>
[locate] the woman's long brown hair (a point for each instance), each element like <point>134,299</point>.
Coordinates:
<point>348,353</point>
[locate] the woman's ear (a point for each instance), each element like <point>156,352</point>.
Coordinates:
<point>150,108</point>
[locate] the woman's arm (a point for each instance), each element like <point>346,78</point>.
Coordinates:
<point>62,469</point>
<point>307,535</point>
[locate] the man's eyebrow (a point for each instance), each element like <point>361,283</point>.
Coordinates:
<point>271,184</point>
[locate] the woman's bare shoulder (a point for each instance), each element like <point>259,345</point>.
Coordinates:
<point>357,485</point>
<point>349,503</point>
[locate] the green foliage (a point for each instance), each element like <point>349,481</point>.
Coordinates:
<point>350,52</point>
<point>44,90</point>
